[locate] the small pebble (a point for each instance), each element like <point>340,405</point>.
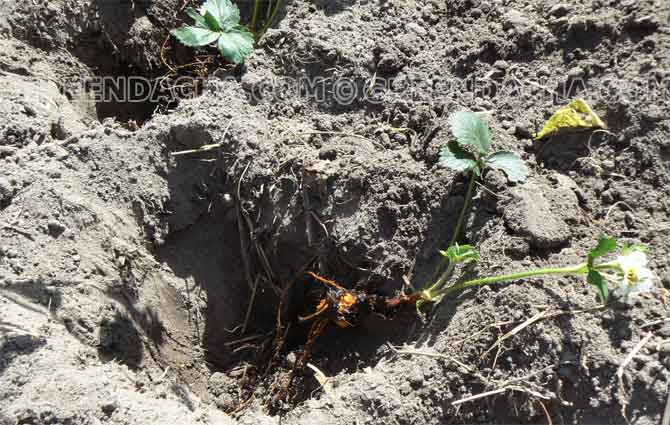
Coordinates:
<point>502,65</point>
<point>55,227</point>
<point>522,132</point>
<point>653,114</point>
<point>6,191</point>
<point>576,73</point>
<point>559,10</point>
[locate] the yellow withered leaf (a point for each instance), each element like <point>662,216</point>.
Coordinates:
<point>574,117</point>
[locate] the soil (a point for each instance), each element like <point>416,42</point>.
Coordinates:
<point>126,272</point>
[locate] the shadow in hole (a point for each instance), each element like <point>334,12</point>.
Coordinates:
<point>12,346</point>
<point>208,253</point>
<point>120,341</point>
<point>331,7</point>
<point>150,323</point>
<point>120,90</point>
<point>561,152</point>
<point>204,247</point>
<point>351,349</point>
<point>146,317</point>
<point>93,47</point>
<point>342,349</point>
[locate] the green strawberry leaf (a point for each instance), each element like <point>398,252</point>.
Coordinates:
<point>224,11</point>
<point>200,21</point>
<point>470,129</point>
<point>461,254</point>
<point>630,248</point>
<point>236,45</point>
<point>597,280</point>
<point>606,245</point>
<point>194,36</point>
<point>212,22</point>
<point>457,158</point>
<point>510,164</point>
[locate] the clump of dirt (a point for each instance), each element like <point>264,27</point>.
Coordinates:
<point>139,286</point>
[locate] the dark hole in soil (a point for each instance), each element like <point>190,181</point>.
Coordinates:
<point>208,253</point>
<point>120,89</point>
<point>125,98</point>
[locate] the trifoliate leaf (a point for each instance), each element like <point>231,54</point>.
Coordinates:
<point>218,20</point>
<point>212,22</point>
<point>236,45</point>
<point>510,164</point>
<point>457,158</point>
<point>194,36</point>
<point>461,254</point>
<point>224,11</point>
<point>200,21</point>
<point>606,245</point>
<point>597,280</point>
<point>469,129</point>
<point>574,117</point>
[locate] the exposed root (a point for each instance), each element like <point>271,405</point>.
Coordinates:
<point>251,304</point>
<point>244,248</point>
<point>322,379</point>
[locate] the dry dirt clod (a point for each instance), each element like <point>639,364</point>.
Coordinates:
<point>539,213</point>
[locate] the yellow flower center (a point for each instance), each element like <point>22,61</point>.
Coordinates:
<point>632,277</point>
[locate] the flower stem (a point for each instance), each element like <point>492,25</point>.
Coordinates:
<point>578,269</point>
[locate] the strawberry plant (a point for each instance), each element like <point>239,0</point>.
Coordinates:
<point>471,153</point>
<point>218,21</point>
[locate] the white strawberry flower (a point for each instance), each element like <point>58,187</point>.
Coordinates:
<point>635,275</point>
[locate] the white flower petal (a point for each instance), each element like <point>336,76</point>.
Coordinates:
<point>635,276</point>
<point>638,258</point>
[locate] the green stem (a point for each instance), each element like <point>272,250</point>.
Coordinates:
<point>464,211</point>
<point>443,278</point>
<point>444,264</point>
<point>254,15</point>
<point>268,22</point>
<point>612,265</point>
<point>578,269</point>
<point>268,9</point>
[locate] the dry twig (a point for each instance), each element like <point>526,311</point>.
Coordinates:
<point>622,367</point>
<point>541,315</point>
<point>429,354</point>
<point>251,305</point>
